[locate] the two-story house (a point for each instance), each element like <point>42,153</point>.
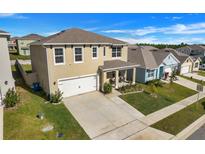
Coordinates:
<point>12,44</point>
<point>6,79</point>
<point>76,61</point>
<point>23,43</point>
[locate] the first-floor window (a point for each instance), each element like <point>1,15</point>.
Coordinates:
<point>150,73</point>
<point>116,52</point>
<point>95,52</point>
<point>59,55</point>
<point>78,57</point>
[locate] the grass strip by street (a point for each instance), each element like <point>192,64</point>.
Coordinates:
<point>166,95</point>
<point>178,121</point>
<point>193,80</point>
<point>202,73</point>
<point>14,56</point>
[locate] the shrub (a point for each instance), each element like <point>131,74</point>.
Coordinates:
<point>155,82</point>
<point>107,88</point>
<point>56,97</point>
<point>11,98</point>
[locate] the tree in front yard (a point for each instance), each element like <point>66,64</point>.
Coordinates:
<point>56,97</point>
<point>107,88</point>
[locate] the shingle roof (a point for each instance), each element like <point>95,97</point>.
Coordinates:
<point>180,56</point>
<point>80,36</point>
<point>31,37</point>
<point>4,32</point>
<point>115,64</point>
<point>142,56</point>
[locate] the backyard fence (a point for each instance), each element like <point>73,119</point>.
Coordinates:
<point>29,78</point>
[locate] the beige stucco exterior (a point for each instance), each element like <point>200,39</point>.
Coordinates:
<point>6,79</point>
<point>195,66</point>
<point>48,73</point>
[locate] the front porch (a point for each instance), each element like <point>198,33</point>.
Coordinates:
<point>116,73</point>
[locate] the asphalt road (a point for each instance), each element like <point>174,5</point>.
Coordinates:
<point>198,135</point>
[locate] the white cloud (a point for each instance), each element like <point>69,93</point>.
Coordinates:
<point>51,33</point>
<point>196,28</point>
<point>12,15</point>
<point>138,40</point>
<point>176,18</point>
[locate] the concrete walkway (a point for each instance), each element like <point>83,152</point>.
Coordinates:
<point>195,76</point>
<point>186,83</point>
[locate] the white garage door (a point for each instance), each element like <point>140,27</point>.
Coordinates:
<point>185,70</point>
<point>77,86</point>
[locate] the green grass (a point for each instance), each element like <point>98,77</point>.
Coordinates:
<point>202,73</point>
<point>14,56</point>
<point>27,68</point>
<point>193,80</point>
<point>178,121</point>
<point>21,123</point>
<point>166,95</point>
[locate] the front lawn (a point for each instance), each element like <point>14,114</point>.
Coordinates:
<point>166,95</point>
<point>14,56</point>
<point>178,121</point>
<point>193,80</point>
<point>21,123</point>
<point>202,73</point>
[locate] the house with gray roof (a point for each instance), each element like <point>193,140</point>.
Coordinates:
<point>188,63</point>
<point>23,43</point>
<point>194,51</point>
<point>76,61</point>
<point>153,63</point>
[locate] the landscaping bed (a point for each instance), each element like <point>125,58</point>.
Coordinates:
<point>148,101</point>
<point>178,121</point>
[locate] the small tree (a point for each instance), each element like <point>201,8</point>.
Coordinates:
<point>107,88</point>
<point>11,98</point>
<point>173,76</point>
<point>56,97</point>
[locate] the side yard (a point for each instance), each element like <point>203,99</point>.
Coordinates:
<point>21,122</point>
<point>178,121</point>
<point>154,98</point>
<point>14,56</point>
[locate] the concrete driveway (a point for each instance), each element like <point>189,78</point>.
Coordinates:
<point>103,118</point>
<point>195,76</point>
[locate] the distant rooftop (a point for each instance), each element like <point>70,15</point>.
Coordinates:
<point>31,37</point>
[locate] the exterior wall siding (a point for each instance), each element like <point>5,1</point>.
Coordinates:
<point>89,66</point>
<point>21,44</point>
<point>6,79</point>
<point>140,75</point>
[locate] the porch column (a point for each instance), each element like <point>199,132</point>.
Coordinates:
<point>103,77</point>
<point>134,75</point>
<point>116,78</point>
<point>125,76</point>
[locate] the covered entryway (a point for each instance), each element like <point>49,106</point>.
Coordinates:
<point>185,69</point>
<point>75,86</point>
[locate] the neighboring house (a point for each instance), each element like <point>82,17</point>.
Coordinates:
<point>12,44</point>
<point>77,61</point>
<point>6,79</point>
<point>193,50</point>
<point>23,43</point>
<point>187,63</point>
<point>154,63</point>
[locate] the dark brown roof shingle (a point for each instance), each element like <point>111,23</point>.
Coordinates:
<point>31,37</point>
<point>75,35</point>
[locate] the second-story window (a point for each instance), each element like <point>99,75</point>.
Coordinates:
<point>95,52</point>
<point>116,52</point>
<point>78,55</point>
<point>59,56</point>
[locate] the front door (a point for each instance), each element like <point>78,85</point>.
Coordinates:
<point>161,72</point>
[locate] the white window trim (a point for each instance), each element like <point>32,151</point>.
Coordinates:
<point>78,62</point>
<point>96,52</point>
<point>54,60</point>
<point>150,72</point>
<point>116,54</point>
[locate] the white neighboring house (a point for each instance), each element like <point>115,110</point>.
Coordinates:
<point>6,79</point>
